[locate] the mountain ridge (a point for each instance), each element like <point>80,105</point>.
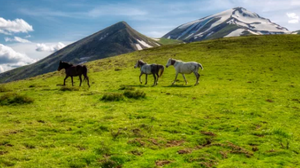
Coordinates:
<point>233,22</point>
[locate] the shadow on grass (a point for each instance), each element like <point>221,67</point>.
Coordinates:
<point>135,86</point>
<point>179,86</point>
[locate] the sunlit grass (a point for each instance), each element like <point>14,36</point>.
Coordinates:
<point>244,112</point>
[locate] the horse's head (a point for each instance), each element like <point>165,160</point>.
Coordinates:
<point>60,66</point>
<point>63,65</point>
<point>139,63</point>
<point>170,62</point>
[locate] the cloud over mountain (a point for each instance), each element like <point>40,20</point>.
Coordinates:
<point>9,58</point>
<point>14,26</point>
<point>41,47</point>
<point>16,39</point>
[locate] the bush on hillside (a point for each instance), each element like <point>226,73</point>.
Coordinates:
<point>15,99</point>
<point>3,89</point>
<point>135,94</point>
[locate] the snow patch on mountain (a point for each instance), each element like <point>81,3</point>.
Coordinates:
<point>138,47</point>
<point>237,32</point>
<point>143,43</point>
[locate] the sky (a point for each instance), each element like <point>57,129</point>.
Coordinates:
<point>33,29</point>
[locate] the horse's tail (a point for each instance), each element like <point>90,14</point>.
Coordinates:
<point>200,66</point>
<point>161,68</point>
<point>85,75</point>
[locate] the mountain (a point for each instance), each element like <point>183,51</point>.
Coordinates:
<point>233,22</point>
<point>117,39</point>
<point>296,32</point>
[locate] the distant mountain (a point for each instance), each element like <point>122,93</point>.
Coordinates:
<point>233,22</point>
<point>296,32</point>
<point>117,39</point>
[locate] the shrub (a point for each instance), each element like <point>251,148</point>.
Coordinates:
<point>136,95</point>
<point>3,89</point>
<point>13,99</point>
<point>112,97</point>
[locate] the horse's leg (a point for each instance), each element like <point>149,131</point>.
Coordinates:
<point>197,78</point>
<point>87,78</point>
<point>175,78</point>
<point>65,80</point>
<point>80,80</point>
<point>154,79</point>
<point>157,77</point>
<point>146,79</point>
<point>140,78</point>
<point>184,79</point>
<point>72,80</point>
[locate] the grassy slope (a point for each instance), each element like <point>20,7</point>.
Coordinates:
<point>166,41</point>
<point>248,97</point>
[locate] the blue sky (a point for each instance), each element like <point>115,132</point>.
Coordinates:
<point>33,29</point>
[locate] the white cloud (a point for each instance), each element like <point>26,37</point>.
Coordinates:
<point>10,59</point>
<point>17,39</point>
<point>294,18</point>
<point>14,26</point>
<point>41,47</point>
<point>28,36</point>
<point>8,55</point>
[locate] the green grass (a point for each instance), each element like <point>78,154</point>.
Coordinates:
<point>166,41</point>
<point>244,113</point>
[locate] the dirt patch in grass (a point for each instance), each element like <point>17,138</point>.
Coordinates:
<point>204,161</point>
<point>208,133</point>
<point>137,142</point>
<point>235,149</point>
<point>162,162</point>
<point>173,143</point>
<point>136,152</point>
<point>184,151</point>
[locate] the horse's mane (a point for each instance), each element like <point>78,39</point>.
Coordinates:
<point>177,60</point>
<point>70,64</point>
<point>142,62</point>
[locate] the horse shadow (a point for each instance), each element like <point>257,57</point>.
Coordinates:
<point>179,86</point>
<point>141,86</point>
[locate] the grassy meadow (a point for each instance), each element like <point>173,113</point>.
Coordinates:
<point>244,113</point>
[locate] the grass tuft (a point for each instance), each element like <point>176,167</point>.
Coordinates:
<point>112,97</point>
<point>135,95</point>
<point>14,99</point>
<point>3,89</point>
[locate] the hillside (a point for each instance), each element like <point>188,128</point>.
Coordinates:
<point>233,22</point>
<point>117,39</point>
<point>296,32</point>
<point>244,112</point>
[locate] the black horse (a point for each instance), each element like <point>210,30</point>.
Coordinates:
<point>74,70</point>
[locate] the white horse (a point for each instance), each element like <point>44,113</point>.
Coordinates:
<point>185,68</point>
